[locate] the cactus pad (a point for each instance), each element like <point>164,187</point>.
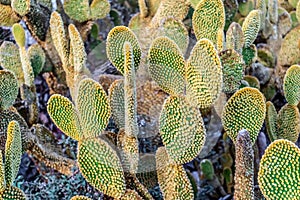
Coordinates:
<point>182,130</point>
<point>279,171</point>
<point>101,167</point>
<point>288,123</point>
<point>173,180</point>
<point>291,85</point>
<point>64,116</point>
<point>116,101</point>
<point>12,193</point>
<point>208,19</point>
<point>21,7</point>
<point>233,66</point>
<point>271,121</point>
<point>94,108</point>
<point>246,109</point>
<point>251,27</point>
<point>204,74</point>
<point>19,34</point>
<point>235,37</point>
<point>37,58</point>
<point>13,152</point>
<point>7,16</point>
<point>114,47</point>
<point>8,89</point>
<point>166,65</point>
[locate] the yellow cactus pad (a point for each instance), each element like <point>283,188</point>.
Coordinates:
<point>131,195</point>
<point>251,26</point>
<point>271,121</point>
<point>116,101</point>
<point>279,171</point>
<point>114,47</point>
<point>58,36</point>
<point>182,130</point>
<point>8,89</point>
<point>246,109</point>
<point>208,19</point>
<point>291,85</point>
<point>288,123</point>
<point>101,167</point>
<point>173,180</point>
<point>7,16</point>
<point>13,152</point>
<point>166,65</point>
<point>92,104</point>
<point>233,66</point>
<point>64,115</point>
<point>12,193</point>
<point>19,34</point>
<point>78,50</point>
<point>204,74</point>
<point>2,173</point>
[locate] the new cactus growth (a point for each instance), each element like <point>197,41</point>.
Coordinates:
<point>207,169</point>
<point>279,171</point>
<point>271,121</point>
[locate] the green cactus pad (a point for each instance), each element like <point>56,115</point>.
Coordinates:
<point>249,54</point>
<point>176,31</point>
<point>233,66</point>
<point>291,85</point>
<point>204,74</point>
<point>244,167</point>
<point>8,89</point>
<point>114,47</point>
<point>182,130</point>
<point>37,58</point>
<point>64,115</point>
<point>271,121</point>
<point>116,101</point>
<point>173,180</point>
<point>207,169</point>
<point>21,7</point>
<point>246,109</point>
<point>208,19</point>
<point>77,197</point>
<point>7,16</point>
<point>279,171</point>
<point>6,117</point>
<point>288,123</point>
<point>12,193</point>
<point>94,108</point>
<point>245,7</point>
<point>77,9</point>
<point>252,81</point>
<point>251,26</point>
<point>99,9</point>
<point>235,37</point>
<point>13,152</point>
<point>19,34</point>
<point>101,167</point>
<point>166,65</point>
